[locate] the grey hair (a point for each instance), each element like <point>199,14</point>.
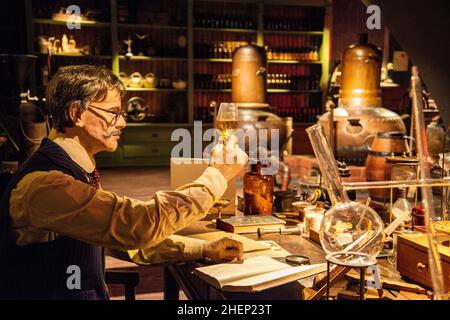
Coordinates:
<point>79,85</point>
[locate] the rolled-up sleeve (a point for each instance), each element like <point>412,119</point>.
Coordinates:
<point>173,249</point>
<point>55,202</point>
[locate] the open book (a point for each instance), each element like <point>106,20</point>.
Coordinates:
<point>255,274</point>
<point>251,247</point>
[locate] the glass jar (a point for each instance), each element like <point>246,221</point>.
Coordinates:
<point>283,200</point>
<point>258,191</point>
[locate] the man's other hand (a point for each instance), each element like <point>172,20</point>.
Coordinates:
<point>224,249</point>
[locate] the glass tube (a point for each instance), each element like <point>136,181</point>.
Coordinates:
<point>396,184</point>
<point>427,197</point>
<point>351,233</point>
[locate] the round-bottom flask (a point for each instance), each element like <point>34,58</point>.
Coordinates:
<point>351,233</point>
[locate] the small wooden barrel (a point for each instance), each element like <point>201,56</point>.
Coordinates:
<point>377,168</point>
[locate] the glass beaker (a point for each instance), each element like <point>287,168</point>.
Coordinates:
<point>351,233</point>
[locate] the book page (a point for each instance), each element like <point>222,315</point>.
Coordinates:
<point>271,279</point>
<point>249,245</point>
<point>225,273</point>
<point>275,250</point>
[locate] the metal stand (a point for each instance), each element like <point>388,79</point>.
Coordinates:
<point>362,272</point>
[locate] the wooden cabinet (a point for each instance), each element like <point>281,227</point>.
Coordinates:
<point>191,41</point>
<point>141,145</point>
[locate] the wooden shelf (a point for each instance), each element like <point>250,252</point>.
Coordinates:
<point>146,58</point>
<point>212,60</point>
<point>156,89</point>
<point>204,124</point>
<point>294,62</point>
<point>312,33</point>
<point>226,30</point>
<point>187,64</point>
<point>64,23</point>
<point>269,61</point>
<point>292,91</point>
<point>149,26</point>
<point>157,124</point>
<point>268,90</point>
<point>212,90</point>
<point>68,55</point>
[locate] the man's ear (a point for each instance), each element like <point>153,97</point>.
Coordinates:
<point>75,114</point>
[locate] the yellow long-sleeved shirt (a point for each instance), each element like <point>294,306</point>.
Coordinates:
<point>45,205</point>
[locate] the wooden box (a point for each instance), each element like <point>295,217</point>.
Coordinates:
<point>314,236</point>
<point>412,258</point>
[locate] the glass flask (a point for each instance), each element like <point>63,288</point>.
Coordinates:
<point>258,191</point>
<point>402,207</point>
<point>351,233</point>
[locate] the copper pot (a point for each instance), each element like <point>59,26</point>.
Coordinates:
<point>248,76</point>
<point>361,72</point>
<point>353,126</point>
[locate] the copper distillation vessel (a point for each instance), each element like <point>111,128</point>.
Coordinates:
<point>249,93</point>
<point>359,113</point>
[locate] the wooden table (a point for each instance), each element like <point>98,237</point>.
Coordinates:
<point>179,275</point>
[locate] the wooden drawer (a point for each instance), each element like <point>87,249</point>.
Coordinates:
<point>144,150</point>
<point>412,262</point>
<point>142,134</point>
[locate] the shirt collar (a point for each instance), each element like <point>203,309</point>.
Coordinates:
<point>74,149</point>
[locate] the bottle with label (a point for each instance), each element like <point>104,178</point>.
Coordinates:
<point>65,44</point>
<point>258,191</point>
<point>72,44</point>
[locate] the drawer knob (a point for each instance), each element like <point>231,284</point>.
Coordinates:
<point>155,150</point>
<point>154,135</point>
<point>421,267</point>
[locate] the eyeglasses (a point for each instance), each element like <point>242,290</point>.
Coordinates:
<point>116,117</point>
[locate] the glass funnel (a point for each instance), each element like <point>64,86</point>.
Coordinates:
<point>351,233</point>
<point>402,206</point>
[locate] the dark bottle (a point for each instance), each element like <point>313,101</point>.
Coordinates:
<point>258,191</point>
<point>317,82</point>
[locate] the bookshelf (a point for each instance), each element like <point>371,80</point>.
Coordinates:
<point>182,40</point>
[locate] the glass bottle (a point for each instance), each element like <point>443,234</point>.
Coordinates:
<point>258,191</point>
<point>351,233</point>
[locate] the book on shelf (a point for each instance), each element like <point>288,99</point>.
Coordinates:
<point>255,274</point>
<point>249,223</point>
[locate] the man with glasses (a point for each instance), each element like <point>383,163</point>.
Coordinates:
<point>54,215</point>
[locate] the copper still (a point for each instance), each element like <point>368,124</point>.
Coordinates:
<point>248,87</point>
<point>360,113</point>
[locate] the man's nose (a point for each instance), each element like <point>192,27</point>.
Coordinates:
<point>121,123</point>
